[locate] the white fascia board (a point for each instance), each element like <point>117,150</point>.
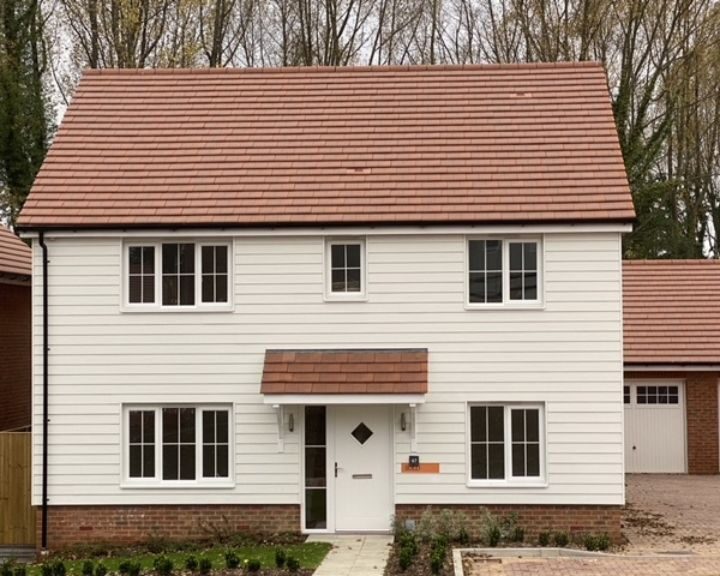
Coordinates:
<point>334,399</point>
<point>335,230</point>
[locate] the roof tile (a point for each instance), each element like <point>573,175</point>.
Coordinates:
<point>15,255</point>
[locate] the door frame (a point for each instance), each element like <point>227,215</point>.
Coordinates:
<point>330,452</point>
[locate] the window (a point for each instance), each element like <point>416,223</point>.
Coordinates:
<point>171,444</point>
<point>176,276</point>
<point>506,443</point>
<point>626,394</point>
<point>657,394</point>
<point>141,274</point>
<point>503,272</point>
<point>315,468</point>
<point>345,269</point>
<point>214,273</point>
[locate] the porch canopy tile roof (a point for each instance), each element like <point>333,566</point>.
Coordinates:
<point>480,144</point>
<point>671,312</point>
<point>345,371</point>
<point>15,255</point>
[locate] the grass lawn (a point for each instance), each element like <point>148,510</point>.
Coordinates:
<point>310,554</point>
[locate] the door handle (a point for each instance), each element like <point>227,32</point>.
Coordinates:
<point>336,470</point>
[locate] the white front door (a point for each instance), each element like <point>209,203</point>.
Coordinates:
<point>655,426</point>
<point>363,474</point>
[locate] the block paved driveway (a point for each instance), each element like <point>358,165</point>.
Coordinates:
<point>672,522</point>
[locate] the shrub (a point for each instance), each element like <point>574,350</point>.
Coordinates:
<point>191,563</point>
<point>101,569</point>
<point>405,558</point>
<point>292,563</point>
<point>134,569</point>
<point>561,539</point>
<point>517,534</point>
<point>58,568</point>
<point>205,565</point>
<point>408,541</point>
<point>253,565</point>
<point>88,568</point>
<point>231,560</point>
<point>124,567</point>
<point>280,558</point>
<point>437,559</point>
<point>594,543</point>
<point>492,536</point>
<point>163,566</point>
<point>46,570</point>
<point>544,539</point>
<point>603,542</point>
<point>449,524</point>
<point>6,568</point>
<point>20,570</point>
<point>463,536</point>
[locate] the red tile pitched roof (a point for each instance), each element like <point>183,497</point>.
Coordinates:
<point>394,371</point>
<point>331,146</point>
<point>15,255</point>
<point>671,311</point>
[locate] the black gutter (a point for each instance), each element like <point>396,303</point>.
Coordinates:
<point>44,538</point>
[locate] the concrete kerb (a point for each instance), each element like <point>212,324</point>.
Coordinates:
<point>542,553</point>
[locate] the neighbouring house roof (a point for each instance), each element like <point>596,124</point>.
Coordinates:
<point>330,146</point>
<point>391,371</point>
<point>15,256</point>
<point>671,312</point>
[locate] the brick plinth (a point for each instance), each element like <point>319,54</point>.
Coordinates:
<point>702,422</point>
<point>574,519</point>
<point>70,526</point>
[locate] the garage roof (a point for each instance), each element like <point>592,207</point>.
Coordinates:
<point>15,256</point>
<point>671,312</point>
<point>332,146</point>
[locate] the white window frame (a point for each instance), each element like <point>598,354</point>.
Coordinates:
<point>505,241</point>
<point>509,480</point>
<point>157,481</point>
<point>158,306</point>
<point>331,296</point>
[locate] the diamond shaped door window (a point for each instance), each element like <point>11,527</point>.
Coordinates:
<point>362,433</point>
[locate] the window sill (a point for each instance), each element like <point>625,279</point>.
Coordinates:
<point>541,483</point>
<point>507,306</point>
<point>177,485</point>
<point>224,309</point>
<point>333,298</point>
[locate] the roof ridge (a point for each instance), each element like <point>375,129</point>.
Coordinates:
<point>356,69</point>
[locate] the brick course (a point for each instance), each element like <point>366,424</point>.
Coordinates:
<point>575,519</point>
<point>15,347</point>
<point>70,526</point>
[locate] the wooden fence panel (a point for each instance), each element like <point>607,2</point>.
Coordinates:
<point>17,517</point>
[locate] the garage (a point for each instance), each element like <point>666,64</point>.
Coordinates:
<point>655,439</point>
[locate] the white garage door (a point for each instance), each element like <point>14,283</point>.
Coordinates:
<point>655,426</point>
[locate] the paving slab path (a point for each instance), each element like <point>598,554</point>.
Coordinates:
<point>354,555</point>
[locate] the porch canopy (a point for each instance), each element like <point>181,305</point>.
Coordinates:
<point>345,376</point>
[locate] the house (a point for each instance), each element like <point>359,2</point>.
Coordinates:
<point>15,330</point>
<point>314,299</point>
<point>672,365</point>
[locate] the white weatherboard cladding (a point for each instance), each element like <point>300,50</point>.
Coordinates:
<point>567,355</point>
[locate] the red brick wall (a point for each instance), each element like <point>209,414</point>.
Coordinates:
<point>702,422</point>
<point>575,519</point>
<point>701,406</point>
<point>15,349</point>
<point>70,526</point>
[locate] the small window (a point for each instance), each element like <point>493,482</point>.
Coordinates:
<point>214,274</point>
<point>178,274</point>
<point>216,444</point>
<point>657,395</point>
<point>626,394</point>
<point>142,443</point>
<point>506,443</point>
<point>486,271</point>
<point>523,271</point>
<point>345,269</point>
<point>178,443</point>
<point>141,274</point>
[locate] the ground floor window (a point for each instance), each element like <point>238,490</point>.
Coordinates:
<point>169,444</point>
<point>315,468</point>
<point>506,442</point>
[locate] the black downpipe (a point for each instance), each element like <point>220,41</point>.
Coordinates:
<point>44,541</point>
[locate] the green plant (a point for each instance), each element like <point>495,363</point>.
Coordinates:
<point>6,568</point>
<point>517,534</point>
<point>58,568</point>
<point>163,566</point>
<point>292,563</point>
<point>405,558</point>
<point>124,567</point>
<point>544,539</point>
<point>134,569</point>
<point>253,565</point>
<point>492,536</point>
<point>88,568</point>
<point>463,536</point>
<point>409,541</point>
<point>280,558</point>
<point>231,560</point>
<point>191,563</point>
<point>20,570</point>
<point>561,539</point>
<point>205,565</point>
<point>603,542</point>
<point>437,559</point>
<point>46,570</point>
<point>101,569</point>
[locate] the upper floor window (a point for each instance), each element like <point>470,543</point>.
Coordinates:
<point>345,268</point>
<point>175,275</point>
<point>503,271</point>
